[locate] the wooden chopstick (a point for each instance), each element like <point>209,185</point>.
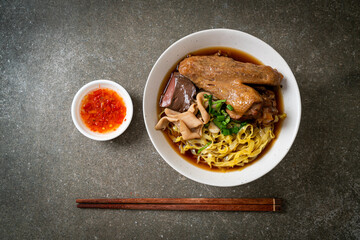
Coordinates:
<point>185,200</point>
<point>185,204</point>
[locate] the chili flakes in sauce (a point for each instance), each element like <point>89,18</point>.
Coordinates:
<point>103,110</point>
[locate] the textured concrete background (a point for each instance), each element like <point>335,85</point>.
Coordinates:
<point>49,49</point>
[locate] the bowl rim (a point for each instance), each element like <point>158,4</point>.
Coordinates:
<point>295,126</point>
<point>90,86</point>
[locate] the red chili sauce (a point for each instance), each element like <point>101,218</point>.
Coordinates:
<point>103,110</point>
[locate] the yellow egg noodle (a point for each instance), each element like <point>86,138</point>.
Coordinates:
<point>226,151</point>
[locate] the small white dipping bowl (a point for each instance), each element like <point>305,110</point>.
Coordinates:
<point>76,106</point>
<point>246,43</point>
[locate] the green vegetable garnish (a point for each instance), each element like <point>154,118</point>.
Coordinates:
<point>229,107</point>
<point>235,130</point>
<point>220,118</point>
<point>226,121</point>
<point>206,145</point>
<point>216,114</point>
<point>218,123</point>
<point>218,107</point>
<point>218,104</point>
<point>219,101</point>
<point>225,131</point>
<point>224,113</point>
<point>210,104</point>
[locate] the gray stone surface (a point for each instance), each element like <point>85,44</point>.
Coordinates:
<point>49,49</point>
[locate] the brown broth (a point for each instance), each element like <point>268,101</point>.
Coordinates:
<point>238,56</point>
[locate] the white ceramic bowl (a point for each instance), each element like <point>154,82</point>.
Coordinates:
<point>76,105</point>
<point>258,49</point>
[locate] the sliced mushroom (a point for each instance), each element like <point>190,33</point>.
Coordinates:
<point>164,121</point>
<point>189,125</point>
<point>187,117</point>
<point>200,104</point>
<point>187,134</point>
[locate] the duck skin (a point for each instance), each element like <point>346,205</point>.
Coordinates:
<point>225,78</point>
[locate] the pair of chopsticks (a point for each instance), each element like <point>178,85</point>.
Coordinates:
<point>185,204</point>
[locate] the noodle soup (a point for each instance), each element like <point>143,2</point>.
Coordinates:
<point>194,158</point>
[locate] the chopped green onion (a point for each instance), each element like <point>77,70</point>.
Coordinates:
<point>219,101</point>
<point>235,130</point>
<point>210,104</point>
<point>229,107</point>
<point>220,118</point>
<point>216,114</point>
<point>224,113</point>
<point>225,131</point>
<point>218,107</point>
<point>206,145</point>
<point>228,119</point>
<point>218,123</point>
<point>218,104</point>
